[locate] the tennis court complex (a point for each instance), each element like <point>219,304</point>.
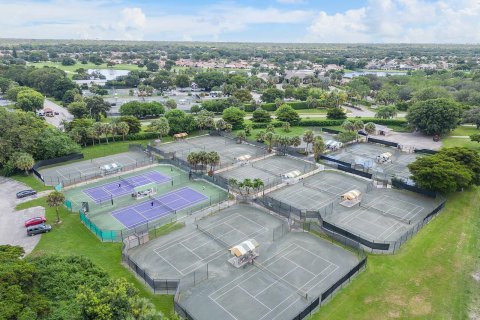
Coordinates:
<point>318,190</point>
<point>80,171</point>
<point>291,271</point>
<point>158,206</point>
<point>383,215</point>
<point>130,211</point>
<point>269,170</point>
<point>125,186</point>
<point>228,149</point>
<point>362,156</point>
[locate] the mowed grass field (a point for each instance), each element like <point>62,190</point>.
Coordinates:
<point>70,70</point>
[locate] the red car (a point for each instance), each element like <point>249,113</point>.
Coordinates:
<point>35,221</point>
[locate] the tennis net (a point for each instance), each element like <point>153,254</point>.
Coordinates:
<point>301,293</point>
<point>161,203</point>
<point>404,220</point>
<point>267,170</point>
<point>220,241</point>
<point>314,187</point>
<point>126,182</point>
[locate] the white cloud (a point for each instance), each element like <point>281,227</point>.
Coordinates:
<point>408,21</point>
<point>291,1</point>
<point>103,20</point>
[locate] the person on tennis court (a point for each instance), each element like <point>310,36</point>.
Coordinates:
<point>203,188</point>
<point>152,203</point>
<point>119,185</point>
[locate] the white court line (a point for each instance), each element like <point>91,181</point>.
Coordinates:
<point>283,255</point>
<point>241,288</point>
<point>194,234</point>
<point>190,251</point>
<point>231,315</point>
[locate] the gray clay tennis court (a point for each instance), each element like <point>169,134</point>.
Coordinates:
<point>79,171</point>
<point>362,156</point>
<point>269,169</point>
<point>319,190</point>
<point>228,149</point>
<point>292,268</point>
<point>383,215</point>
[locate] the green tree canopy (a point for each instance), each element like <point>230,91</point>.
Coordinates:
<point>30,100</point>
<point>234,116</point>
<point>180,121</point>
<point>438,116</point>
<point>286,113</point>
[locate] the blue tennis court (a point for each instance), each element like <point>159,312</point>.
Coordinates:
<point>158,206</point>
<point>124,186</point>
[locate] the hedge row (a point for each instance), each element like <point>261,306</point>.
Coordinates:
<point>327,123</point>
<point>330,123</point>
<point>297,105</point>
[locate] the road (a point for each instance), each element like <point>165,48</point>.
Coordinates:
<point>57,119</point>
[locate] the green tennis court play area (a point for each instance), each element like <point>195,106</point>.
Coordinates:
<point>146,196</point>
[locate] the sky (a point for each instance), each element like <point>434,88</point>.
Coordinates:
<point>286,21</point>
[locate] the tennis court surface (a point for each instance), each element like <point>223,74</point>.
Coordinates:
<point>228,149</point>
<point>158,206</point>
<point>383,215</point>
<point>293,269</point>
<point>124,186</point>
<point>362,156</point>
<point>80,171</point>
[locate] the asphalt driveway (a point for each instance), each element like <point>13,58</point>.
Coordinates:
<point>12,230</point>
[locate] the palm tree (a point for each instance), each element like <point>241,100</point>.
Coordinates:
<point>246,184</point>
<point>233,183</point>
<point>348,126</point>
<point>98,128</point>
<point>318,147</point>
<point>260,136</point>
<point>106,130</point>
<point>54,200</point>
<point>295,141</point>
<point>370,128</point>
<point>113,129</point>
<point>308,138</point>
<point>257,184</point>
<point>123,128</point>
<point>192,160</point>
<point>241,136</point>
<point>358,125</point>
<point>286,126</point>
<point>202,158</point>
<point>213,160</point>
<point>161,126</point>
<point>269,139</point>
<point>24,161</point>
<point>220,124</point>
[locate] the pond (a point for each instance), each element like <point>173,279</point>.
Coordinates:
<point>110,74</point>
<point>377,73</point>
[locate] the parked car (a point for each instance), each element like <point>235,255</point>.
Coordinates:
<point>39,228</point>
<point>35,221</point>
<point>26,193</point>
<point>56,113</point>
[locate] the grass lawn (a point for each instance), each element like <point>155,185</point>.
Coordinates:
<point>104,149</point>
<point>70,70</point>
<point>430,277</point>
<point>464,131</point>
<point>31,181</point>
<point>71,237</point>
<point>450,142</point>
